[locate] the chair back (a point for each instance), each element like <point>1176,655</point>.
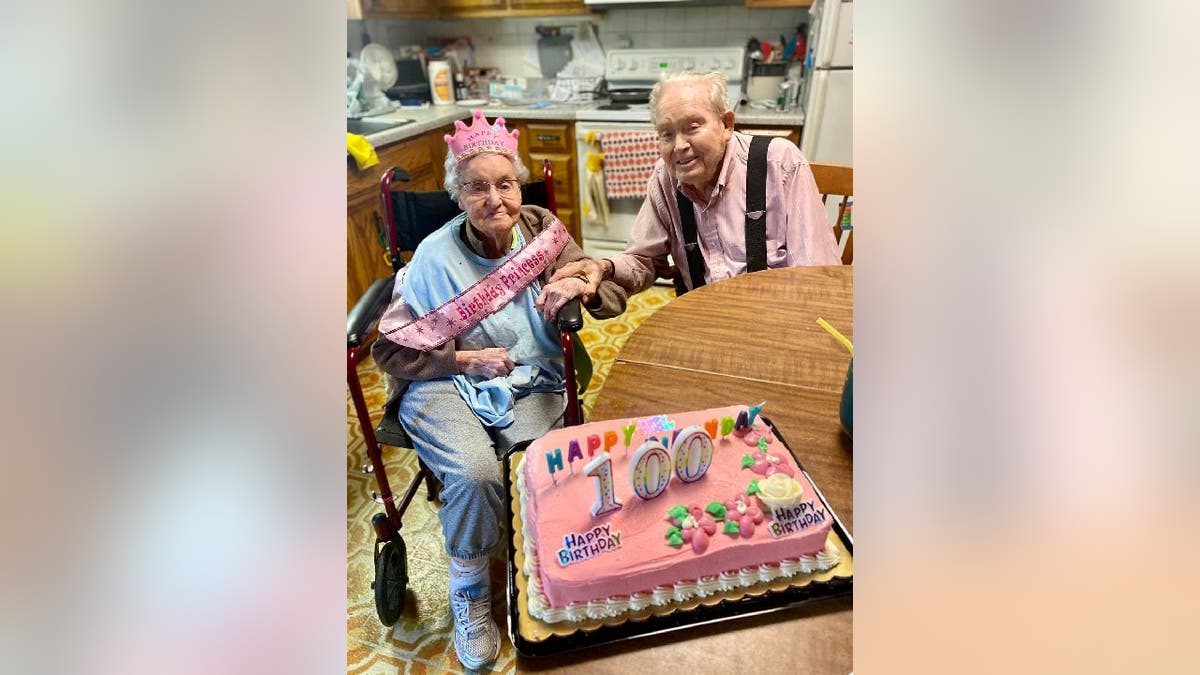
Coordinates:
<point>837,180</point>
<point>409,217</point>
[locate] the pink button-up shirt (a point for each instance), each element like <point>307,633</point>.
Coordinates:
<point>798,232</point>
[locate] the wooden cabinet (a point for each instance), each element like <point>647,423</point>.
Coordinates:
<point>469,9</point>
<point>549,6</point>
<point>763,4</point>
<point>366,240</point>
<point>555,141</point>
<point>398,9</point>
<point>450,7</point>
<point>366,248</point>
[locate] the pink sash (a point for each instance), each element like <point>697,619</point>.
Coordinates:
<point>482,299</point>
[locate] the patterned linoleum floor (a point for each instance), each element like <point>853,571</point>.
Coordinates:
<point>421,641</point>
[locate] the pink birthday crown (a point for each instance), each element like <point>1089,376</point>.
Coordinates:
<point>481,137</point>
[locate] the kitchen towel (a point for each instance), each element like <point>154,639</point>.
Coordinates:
<point>362,152</point>
<point>629,158</point>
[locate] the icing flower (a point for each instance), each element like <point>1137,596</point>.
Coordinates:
<point>741,515</point>
<point>779,491</point>
<point>692,525</point>
<point>758,435</point>
<point>766,463</point>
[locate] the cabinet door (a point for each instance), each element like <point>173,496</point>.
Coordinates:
<point>452,7</point>
<point>563,166</point>
<point>549,137</point>
<point>559,6</point>
<point>389,9</point>
<point>366,258</point>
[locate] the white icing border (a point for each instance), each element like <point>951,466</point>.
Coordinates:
<point>539,605</point>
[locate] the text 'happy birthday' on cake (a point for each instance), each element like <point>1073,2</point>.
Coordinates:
<point>622,515</point>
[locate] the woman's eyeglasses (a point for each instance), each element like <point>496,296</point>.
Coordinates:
<point>508,188</point>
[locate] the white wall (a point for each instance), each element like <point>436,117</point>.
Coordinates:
<point>504,43</point>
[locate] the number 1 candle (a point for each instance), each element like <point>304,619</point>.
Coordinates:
<point>600,468</point>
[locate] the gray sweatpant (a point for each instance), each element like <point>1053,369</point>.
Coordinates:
<point>463,454</point>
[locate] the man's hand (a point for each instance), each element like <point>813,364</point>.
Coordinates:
<point>490,363</point>
<point>557,293</point>
<point>589,271</point>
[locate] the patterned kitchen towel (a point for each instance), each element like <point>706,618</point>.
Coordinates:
<point>629,158</point>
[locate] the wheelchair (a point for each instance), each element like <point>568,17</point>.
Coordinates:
<point>409,218</point>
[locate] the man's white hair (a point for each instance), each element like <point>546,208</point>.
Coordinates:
<point>718,90</point>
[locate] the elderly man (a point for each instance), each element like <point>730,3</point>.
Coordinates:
<point>701,209</point>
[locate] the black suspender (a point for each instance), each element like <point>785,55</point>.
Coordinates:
<point>756,204</point>
<point>756,216</point>
<point>687,217</point>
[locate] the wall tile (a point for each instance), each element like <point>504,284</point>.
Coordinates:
<point>655,20</point>
<point>716,18</point>
<point>617,20</point>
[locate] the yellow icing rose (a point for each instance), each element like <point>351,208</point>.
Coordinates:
<point>779,491</point>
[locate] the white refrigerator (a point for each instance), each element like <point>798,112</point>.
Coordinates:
<point>828,86</point>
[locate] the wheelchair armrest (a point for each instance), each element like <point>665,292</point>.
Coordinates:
<point>570,317</point>
<point>367,310</point>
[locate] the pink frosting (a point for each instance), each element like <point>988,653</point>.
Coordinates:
<point>645,560</point>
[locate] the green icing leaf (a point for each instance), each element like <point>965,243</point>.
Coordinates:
<point>762,444</point>
<point>731,527</point>
<point>753,489</point>
<point>675,540</point>
<point>716,510</point>
<point>673,532</point>
<point>747,461</point>
<point>678,512</point>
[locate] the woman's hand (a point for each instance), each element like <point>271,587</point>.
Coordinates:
<point>590,271</point>
<point>490,363</point>
<point>558,293</point>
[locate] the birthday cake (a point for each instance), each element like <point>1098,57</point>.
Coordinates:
<point>622,515</point>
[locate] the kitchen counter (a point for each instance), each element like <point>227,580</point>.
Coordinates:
<point>434,117</point>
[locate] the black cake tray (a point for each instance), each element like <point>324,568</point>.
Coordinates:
<point>750,605</point>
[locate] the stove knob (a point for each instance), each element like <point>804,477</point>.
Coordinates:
<point>618,64</point>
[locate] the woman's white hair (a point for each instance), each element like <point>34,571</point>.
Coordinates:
<point>718,90</point>
<point>452,183</point>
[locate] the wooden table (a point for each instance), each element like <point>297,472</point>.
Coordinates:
<point>767,347</point>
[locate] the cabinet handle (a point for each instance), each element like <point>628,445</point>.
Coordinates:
<point>546,138</point>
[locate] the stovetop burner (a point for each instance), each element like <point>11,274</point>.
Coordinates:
<point>613,106</point>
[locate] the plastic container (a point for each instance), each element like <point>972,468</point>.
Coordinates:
<point>441,82</point>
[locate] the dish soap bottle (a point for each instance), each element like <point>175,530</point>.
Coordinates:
<point>440,87</point>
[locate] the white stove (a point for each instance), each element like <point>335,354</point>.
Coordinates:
<point>628,70</point>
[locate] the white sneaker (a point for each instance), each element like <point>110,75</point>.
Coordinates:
<point>476,637</point>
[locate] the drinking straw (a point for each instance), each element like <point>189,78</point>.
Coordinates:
<point>836,335</point>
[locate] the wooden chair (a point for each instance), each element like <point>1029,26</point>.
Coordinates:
<point>838,180</point>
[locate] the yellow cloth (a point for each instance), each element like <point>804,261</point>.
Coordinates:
<point>362,152</point>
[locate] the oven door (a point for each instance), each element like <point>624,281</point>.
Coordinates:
<point>605,230</point>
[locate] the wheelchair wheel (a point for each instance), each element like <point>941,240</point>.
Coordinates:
<point>391,580</point>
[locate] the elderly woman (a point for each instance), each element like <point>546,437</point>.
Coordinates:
<point>469,339</point>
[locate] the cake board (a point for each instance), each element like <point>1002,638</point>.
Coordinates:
<point>532,637</point>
